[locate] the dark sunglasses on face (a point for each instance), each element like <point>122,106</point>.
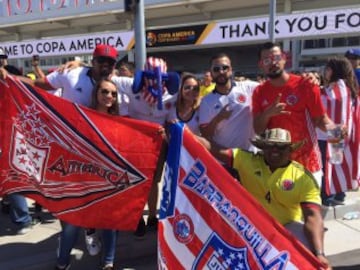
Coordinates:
<point>276,145</point>
<point>104,59</point>
<point>106,92</point>
<point>191,87</point>
<point>220,68</point>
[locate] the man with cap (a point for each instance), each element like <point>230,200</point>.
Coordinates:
<point>77,86</point>
<point>285,188</point>
<point>353,55</point>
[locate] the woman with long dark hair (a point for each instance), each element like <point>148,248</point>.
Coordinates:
<point>340,97</point>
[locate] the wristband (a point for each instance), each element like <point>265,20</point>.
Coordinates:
<point>319,253</point>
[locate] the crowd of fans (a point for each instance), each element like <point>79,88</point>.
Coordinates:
<point>271,134</point>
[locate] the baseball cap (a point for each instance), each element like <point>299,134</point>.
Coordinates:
<point>3,54</point>
<point>105,51</point>
<point>353,52</point>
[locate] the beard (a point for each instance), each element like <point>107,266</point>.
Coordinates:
<point>275,74</point>
<point>221,80</point>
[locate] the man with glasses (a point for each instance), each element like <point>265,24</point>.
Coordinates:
<point>291,102</point>
<point>282,186</point>
<point>225,113</point>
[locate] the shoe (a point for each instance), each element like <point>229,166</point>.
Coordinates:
<point>141,228</point>
<point>337,202</point>
<point>28,227</point>
<point>152,224</point>
<point>108,267</point>
<point>93,244</point>
<point>65,267</point>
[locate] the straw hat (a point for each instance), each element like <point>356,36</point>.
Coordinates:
<point>276,136</point>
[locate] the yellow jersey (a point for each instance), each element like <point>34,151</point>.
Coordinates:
<point>204,90</point>
<point>280,192</point>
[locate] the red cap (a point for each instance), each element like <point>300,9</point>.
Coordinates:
<point>105,51</point>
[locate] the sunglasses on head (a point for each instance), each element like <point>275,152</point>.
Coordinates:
<point>220,68</point>
<point>191,87</point>
<point>279,146</point>
<point>106,92</point>
<point>104,59</point>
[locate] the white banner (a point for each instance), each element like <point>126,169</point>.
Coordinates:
<point>299,25</point>
<point>76,45</point>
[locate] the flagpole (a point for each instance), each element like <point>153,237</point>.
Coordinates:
<point>140,42</point>
<point>272,14</point>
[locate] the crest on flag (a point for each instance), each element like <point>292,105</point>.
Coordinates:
<point>73,160</point>
<point>217,254</point>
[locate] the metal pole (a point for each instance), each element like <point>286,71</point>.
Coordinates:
<point>140,42</point>
<point>272,15</point>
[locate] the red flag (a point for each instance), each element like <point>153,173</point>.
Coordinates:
<point>209,221</point>
<point>87,168</point>
<point>342,110</point>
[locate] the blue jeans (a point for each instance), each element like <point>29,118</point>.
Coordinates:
<point>68,237</point>
<point>109,238</point>
<point>19,210</point>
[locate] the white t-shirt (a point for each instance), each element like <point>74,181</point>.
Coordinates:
<point>77,84</point>
<point>139,108</point>
<point>237,130</point>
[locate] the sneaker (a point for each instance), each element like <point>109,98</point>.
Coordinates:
<point>64,267</point>
<point>28,227</point>
<point>93,244</point>
<point>141,228</point>
<point>108,267</point>
<point>152,224</point>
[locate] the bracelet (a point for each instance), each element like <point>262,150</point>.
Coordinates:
<point>319,253</point>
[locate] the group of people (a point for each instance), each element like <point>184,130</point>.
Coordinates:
<point>264,134</point>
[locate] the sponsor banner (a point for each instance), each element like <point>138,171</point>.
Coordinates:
<point>74,45</point>
<point>209,221</point>
<point>299,25</point>
<point>187,35</point>
<point>86,168</point>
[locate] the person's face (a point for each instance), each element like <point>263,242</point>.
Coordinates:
<point>3,62</point>
<point>277,155</point>
<point>106,95</point>
<point>221,70</point>
<point>103,65</point>
<point>124,71</point>
<point>328,73</point>
<point>272,62</point>
<point>354,60</point>
<point>207,77</point>
<point>190,90</point>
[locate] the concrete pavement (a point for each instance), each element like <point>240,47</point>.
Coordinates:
<point>37,249</point>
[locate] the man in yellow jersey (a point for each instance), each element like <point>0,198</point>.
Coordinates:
<point>286,189</point>
<point>207,84</point>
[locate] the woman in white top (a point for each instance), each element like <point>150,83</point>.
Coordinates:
<point>188,102</point>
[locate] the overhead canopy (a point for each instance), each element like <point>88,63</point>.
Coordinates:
<point>35,19</point>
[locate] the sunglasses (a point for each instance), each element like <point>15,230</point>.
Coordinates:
<point>106,92</point>
<point>220,68</point>
<point>276,145</point>
<point>273,58</point>
<point>104,59</point>
<point>191,87</point>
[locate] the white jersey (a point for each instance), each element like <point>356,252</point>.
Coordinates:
<point>192,123</point>
<point>77,84</point>
<point>142,110</point>
<point>237,130</point>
